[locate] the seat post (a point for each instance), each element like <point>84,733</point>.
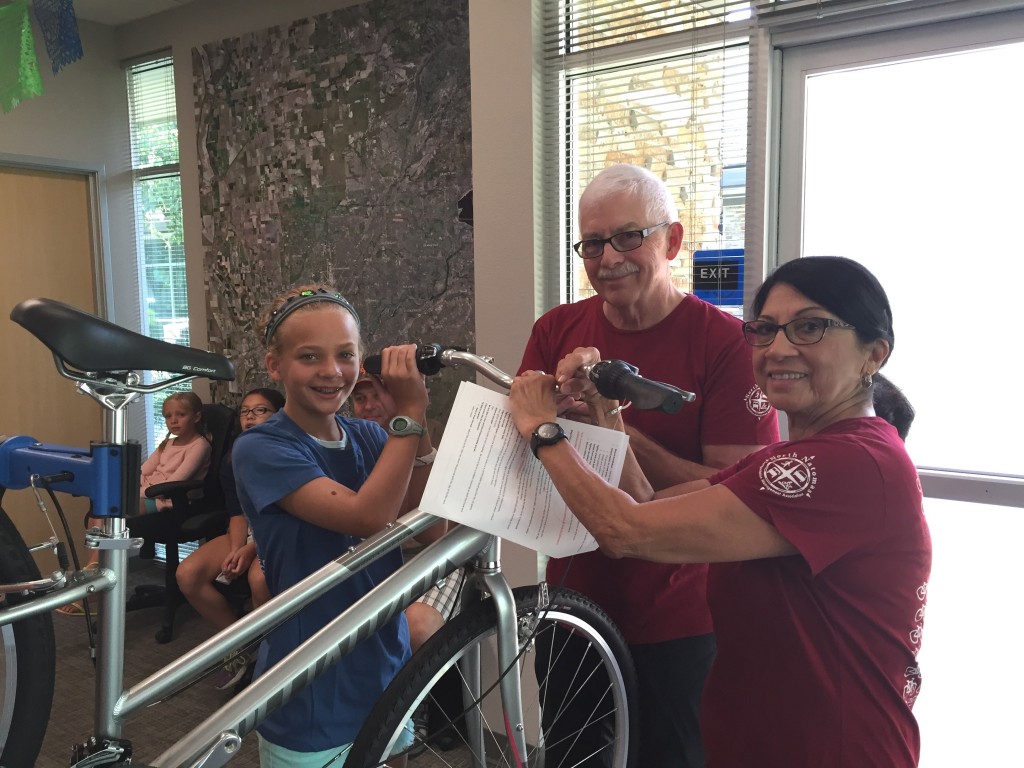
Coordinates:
<point>113,544</point>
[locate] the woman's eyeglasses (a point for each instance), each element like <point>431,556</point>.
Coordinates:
<point>802,331</point>
<point>259,410</point>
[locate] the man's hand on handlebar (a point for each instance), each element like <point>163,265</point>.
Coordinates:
<point>570,392</point>
<point>582,401</point>
<point>532,400</point>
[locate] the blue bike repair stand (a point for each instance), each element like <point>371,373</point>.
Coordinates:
<point>108,474</point>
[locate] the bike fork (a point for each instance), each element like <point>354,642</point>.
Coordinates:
<point>489,569</point>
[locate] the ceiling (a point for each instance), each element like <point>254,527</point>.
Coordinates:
<point>116,12</point>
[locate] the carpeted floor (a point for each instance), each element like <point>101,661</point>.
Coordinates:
<point>155,729</point>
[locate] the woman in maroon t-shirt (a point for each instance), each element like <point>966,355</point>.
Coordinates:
<point>819,548</point>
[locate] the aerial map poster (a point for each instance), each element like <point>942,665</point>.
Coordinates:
<point>336,148</point>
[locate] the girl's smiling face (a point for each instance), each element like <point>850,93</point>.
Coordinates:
<point>317,362</point>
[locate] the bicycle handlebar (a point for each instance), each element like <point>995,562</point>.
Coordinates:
<point>618,380</point>
<point>615,379</point>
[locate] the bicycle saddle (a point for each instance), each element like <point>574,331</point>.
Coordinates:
<point>90,344</point>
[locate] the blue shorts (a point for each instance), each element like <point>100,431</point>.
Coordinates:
<point>274,756</point>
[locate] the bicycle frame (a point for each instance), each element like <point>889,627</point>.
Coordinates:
<point>214,742</point>
<point>106,477</point>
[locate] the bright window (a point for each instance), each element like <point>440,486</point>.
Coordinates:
<point>158,222</point>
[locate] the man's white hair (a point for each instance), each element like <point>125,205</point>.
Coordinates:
<point>635,180</point>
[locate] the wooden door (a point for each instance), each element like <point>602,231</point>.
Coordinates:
<point>46,250</point>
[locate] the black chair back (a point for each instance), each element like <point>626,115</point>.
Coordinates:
<point>222,427</point>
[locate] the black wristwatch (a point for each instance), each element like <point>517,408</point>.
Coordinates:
<point>547,433</point>
<point>403,426</point>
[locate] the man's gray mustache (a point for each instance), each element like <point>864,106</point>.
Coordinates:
<point>625,269</point>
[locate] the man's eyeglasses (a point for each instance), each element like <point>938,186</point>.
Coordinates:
<point>802,331</point>
<point>621,242</point>
<point>259,410</point>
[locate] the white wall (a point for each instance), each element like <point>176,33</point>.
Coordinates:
<point>501,76</point>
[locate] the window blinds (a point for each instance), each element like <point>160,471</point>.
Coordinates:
<point>659,84</point>
<point>153,114</point>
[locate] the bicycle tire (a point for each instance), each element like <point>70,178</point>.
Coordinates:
<point>27,661</point>
<point>476,626</point>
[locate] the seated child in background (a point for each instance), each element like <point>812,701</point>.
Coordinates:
<point>313,484</point>
<point>229,556</point>
<point>183,455</point>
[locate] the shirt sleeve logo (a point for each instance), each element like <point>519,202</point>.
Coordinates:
<point>788,475</point>
<point>757,402</point>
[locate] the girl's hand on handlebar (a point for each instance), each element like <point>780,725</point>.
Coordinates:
<point>404,382</point>
<point>532,400</point>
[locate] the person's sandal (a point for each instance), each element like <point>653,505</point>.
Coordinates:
<point>71,609</point>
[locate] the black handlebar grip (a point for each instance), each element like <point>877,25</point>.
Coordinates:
<point>428,360</point>
<point>618,380</point>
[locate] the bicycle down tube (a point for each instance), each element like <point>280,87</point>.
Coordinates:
<point>211,743</point>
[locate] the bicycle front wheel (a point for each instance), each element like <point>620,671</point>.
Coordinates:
<point>27,658</point>
<point>576,706</point>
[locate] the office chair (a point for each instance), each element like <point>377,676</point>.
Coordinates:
<point>197,512</point>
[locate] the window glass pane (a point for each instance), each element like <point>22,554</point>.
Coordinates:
<point>158,219</point>
<point>968,708</point>
<point>163,258</point>
<point>684,118</point>
<point>154,119</point>
<point>924,191</point>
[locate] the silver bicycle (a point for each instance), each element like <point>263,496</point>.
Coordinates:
<point>488,643</point>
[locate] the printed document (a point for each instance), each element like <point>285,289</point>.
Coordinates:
<point>485,475</point>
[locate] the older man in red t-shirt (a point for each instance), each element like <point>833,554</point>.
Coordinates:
<point>630,231</point>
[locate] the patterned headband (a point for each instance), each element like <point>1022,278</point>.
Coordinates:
<point>301,299</point>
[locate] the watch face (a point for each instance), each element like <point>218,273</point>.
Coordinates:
<point>547,430</point>
<point>399,423</point>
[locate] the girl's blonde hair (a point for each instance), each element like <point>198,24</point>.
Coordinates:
<point>191,399</point>
<point>301,298</point>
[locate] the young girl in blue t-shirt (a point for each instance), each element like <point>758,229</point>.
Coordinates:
<point>313,484</point>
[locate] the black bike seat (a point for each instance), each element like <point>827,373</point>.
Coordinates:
<point>90,344</point>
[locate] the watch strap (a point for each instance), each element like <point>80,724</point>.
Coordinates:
<point>403,426</point>
<point>537,440</point>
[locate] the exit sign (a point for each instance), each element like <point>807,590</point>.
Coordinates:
<point>718,276</point>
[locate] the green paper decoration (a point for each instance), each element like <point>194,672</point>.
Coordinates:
<point>19,68</point>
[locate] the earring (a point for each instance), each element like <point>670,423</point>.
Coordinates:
<point>866,381</point>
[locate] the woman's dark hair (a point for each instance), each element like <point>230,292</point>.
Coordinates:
<point>843,287</point>
<point>272,396</point>
<point>892,405</point>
